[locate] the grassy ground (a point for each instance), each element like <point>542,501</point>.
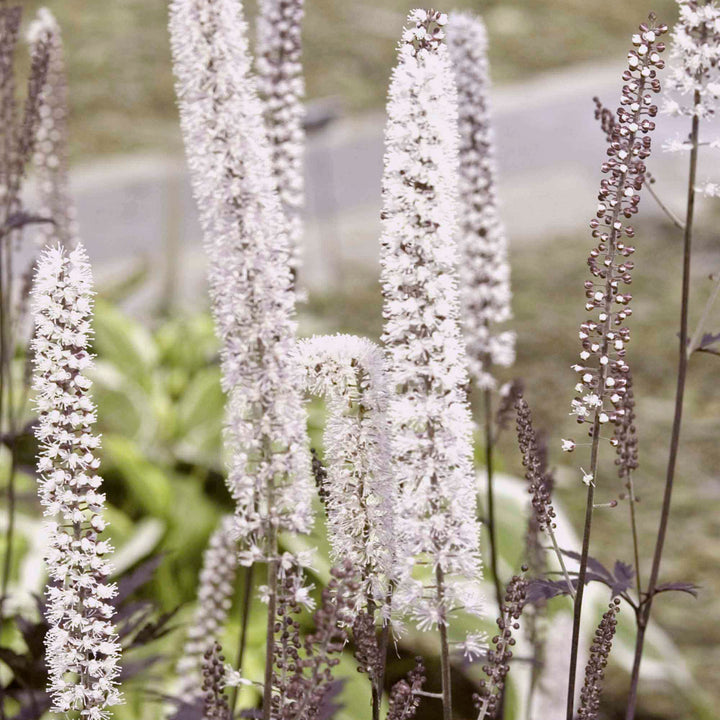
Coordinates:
<point>121,81</point>
<point>548,307</point>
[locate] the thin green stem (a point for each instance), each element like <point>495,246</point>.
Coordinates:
<point>384,642</point>
<point>577,607</point>
<point>10,531</point>
<point>561,560</point>
<point>445,673</point>
<point>644,614</point>
<point>242,638</point>
<point>674,219</point>
<point>272,579</point>
<point>492,529</point>
<point>272,570</point>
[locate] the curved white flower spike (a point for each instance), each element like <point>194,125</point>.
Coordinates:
<point>83,650</point>
<point>246,240</point>
<point>484,268</point>
<point>425,353</point>
<point>361,492</point>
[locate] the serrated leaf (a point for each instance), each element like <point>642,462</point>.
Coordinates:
<point>624,577</point>
<point>592,563</point>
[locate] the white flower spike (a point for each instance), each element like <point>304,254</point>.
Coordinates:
<point>484,268</point>
<point>281,88</point>
<point>425,353</point>
<point>360,487</point>
<point>246,239</point>
<point>83,650</point>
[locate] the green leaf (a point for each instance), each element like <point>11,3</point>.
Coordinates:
<point>146,535</point>
<point>146,482</point>
<point>200,411</point>
<point>125,343</point>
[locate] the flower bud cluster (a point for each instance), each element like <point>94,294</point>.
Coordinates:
<point>539,480</point>
<point>603,370</point>
<point>625,441</point>
<point>484,268</point>
<point>281,89</point>
<point>425,31</point>
<point>404,698</point>
<point>597,662</point>
<point>498,659</point>
<point>303,670</point>
<point>83,649</point>
<point>215,704</point>
<point>216,586</point>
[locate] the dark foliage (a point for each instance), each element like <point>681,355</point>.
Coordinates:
<point>138,624</point>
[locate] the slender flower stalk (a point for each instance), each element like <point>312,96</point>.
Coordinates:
<point>10,18</point>
<point>282,88</point>
<point>16,148</point>
<point>82,646</point>
<point>51,161</point>
<point>602,370</point>
<point>216,586</point>
<point>429,413</point>
<point>695,57</point>
<point>246,240</point>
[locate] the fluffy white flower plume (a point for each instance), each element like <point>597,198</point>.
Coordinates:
<point>281,88</point>
<point>360,489</point>
<point>694,60</point>
<point>245,235</point>
<point>425,353</point>
<point>82,646</point>
<point>216,586</point>
<point>484,268</point>
<point>51,162</point>
<point>693,83</point>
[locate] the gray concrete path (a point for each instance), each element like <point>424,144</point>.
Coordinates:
<point>549,151</point>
